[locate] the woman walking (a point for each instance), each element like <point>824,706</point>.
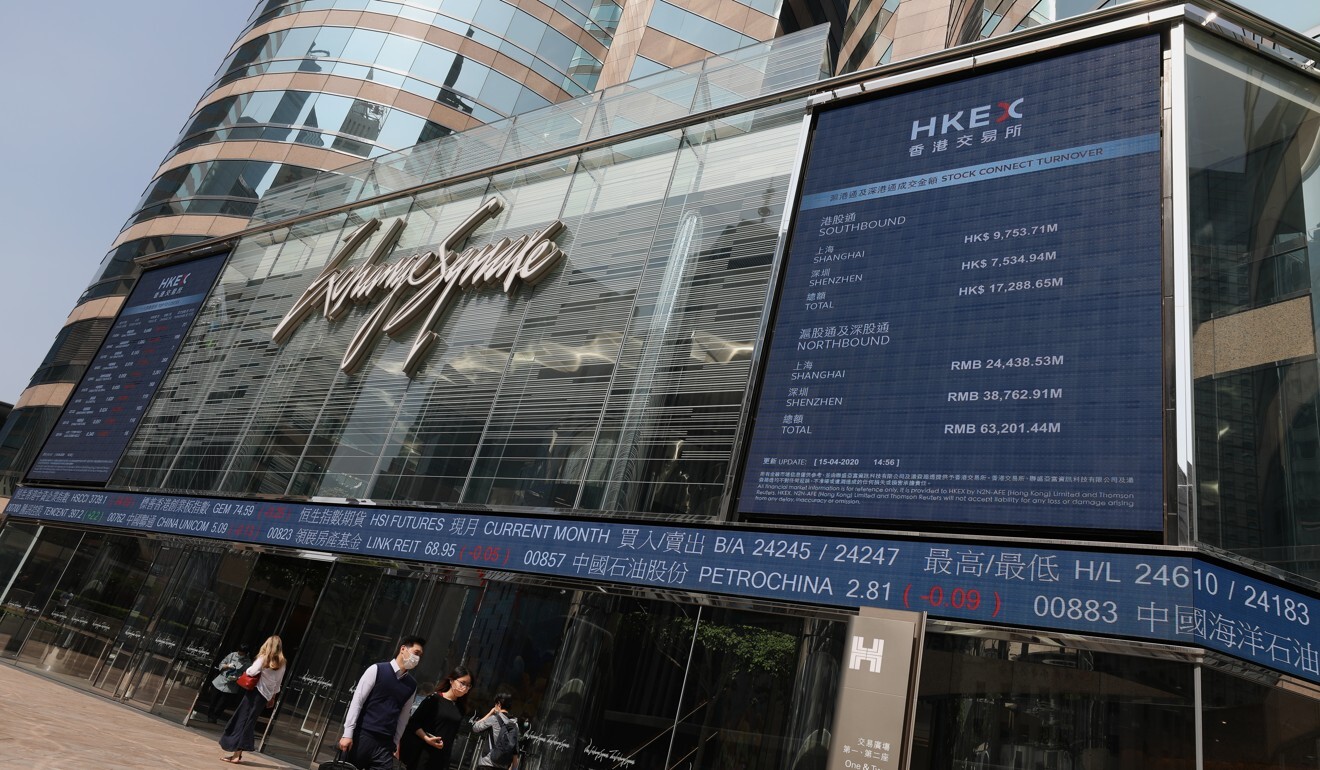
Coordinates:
<point>240,733</point>
<point>428,740</point>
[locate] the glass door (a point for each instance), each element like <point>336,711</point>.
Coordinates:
<point>129,645</point>
<point>29,593</point>
<point>323,668</point>
<point>93,598</point>
<point>186,639</point>
<point>279,598</point>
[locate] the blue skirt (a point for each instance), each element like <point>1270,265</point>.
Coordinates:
<point>240,732</point>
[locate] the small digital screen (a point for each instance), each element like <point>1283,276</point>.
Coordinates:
<point>105,409</point>
<point>969,323</point>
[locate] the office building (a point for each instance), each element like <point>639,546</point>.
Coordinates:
<point>315,85</point>
<point>955,413</point>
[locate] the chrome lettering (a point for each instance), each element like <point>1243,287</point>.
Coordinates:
<point>417,285</point>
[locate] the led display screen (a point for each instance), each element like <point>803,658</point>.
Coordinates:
<point>969,322</point>
<point>99,419</point>
<point>1143,593</point>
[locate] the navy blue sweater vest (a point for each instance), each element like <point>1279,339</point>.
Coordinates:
<point>380,712</point>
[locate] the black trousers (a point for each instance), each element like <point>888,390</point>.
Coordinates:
<point>372,752</point>
<point>216,702</point>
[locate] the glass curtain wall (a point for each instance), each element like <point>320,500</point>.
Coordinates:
<point>1253,724</point>
<point>598,681</point>
<point>137,619</point>
<point>614,384</point>
<point>990,704</point>
<point>1253,149</point>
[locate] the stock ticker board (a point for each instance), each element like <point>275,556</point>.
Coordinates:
<point>1149,594</point>
<point>99,420</point>
<point>969,324</point>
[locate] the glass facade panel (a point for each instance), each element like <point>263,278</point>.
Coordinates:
<point>293,116</point>
<point>89,606</point>
<point>1253,136</point>
<point>1253,725</point>
<point>616,384</point>
<point>502,28</point>
<point>599,679</point>
<point>742,689</point>
<point>23,434</point>
<point>643,66</point>
<point>229,187</point>
<point>30,591</point>
<point>995,704</point>
<point>695,29</point>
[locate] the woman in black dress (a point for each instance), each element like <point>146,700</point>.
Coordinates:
<point>429,737</point>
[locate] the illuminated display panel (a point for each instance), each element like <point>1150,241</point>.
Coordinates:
<point>1148,594</point>
<point>100,417</point>
<point>969,324</point>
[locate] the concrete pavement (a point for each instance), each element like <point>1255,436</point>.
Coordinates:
<point>47,725</point>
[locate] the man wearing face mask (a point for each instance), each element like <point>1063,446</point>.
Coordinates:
<point>378,714</point>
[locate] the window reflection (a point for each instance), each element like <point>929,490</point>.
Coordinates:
<point>988,704</point>
<point>1249,725</point>
<point>695,29</point>
<point>226,187</point>
<point>1253,154</point>
<point>499,27</point>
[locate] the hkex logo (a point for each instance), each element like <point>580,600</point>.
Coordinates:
<point>976,117</point>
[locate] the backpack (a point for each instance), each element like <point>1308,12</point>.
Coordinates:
<point>504,742</point>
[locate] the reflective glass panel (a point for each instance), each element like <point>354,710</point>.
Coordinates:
<point>997,705</point>
<point>615,383</point>
<point>1253,134</point>
<point>1250,724</point>
<point>30,591</point>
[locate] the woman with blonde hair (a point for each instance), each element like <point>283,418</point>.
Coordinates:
<point>268,667</point>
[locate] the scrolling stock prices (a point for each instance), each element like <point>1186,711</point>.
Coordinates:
<point>1148,595</point>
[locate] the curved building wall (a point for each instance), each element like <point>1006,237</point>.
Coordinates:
<point>972,20</point>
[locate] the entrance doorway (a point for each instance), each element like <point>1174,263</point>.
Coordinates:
<point>146,621</point>
<point>279,598</point>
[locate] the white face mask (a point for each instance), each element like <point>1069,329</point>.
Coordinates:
<point>410,661</point>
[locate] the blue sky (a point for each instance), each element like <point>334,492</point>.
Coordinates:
<point>95,93</point>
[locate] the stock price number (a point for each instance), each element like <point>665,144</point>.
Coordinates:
<point>487,554</point>
<point>1009,428</point>
<point>1022,362</point>
<point>435,548</point>
<point>780,549</point>
<point>958,598</point>
<point>544,558</point>
<point>1020,232</point>
<point>1272,603</point>
<point>249,531</point>
<point>871,590</point>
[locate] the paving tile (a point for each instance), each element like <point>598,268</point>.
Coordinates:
<point>48,725</point>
